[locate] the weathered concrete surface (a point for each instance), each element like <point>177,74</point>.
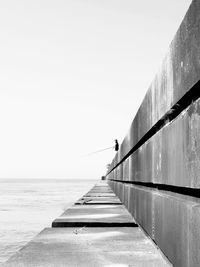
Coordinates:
<point>126,173</point>
<point>95,216</point>
<point>98,200</point>
<point>179,72</point>
<point>103,188</point>
<point>171,219</point>
<point>99,190</point>
<point>99,195</point>
<point>138,202</point>
<point>169,155</point>
<point>172,156</point>
<point>102,185</point>
<point>119,190</point>
<point>89,247</point>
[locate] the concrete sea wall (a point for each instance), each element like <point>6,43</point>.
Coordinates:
<point>156,172</point>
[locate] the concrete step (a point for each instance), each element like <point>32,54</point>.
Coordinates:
<point>95,216</point>
<point>97,190</point>
<point>90,194</point>
<point>101,187</point>
<point>100,191</point>
<point>98,201</point>
<point>102,183</point>
<point>89,247</point>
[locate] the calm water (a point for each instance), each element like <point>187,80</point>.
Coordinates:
<point>26,207</point>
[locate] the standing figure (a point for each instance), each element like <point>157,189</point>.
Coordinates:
<point>116,145</point>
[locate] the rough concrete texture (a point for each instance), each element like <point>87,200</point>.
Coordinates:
<point>126,195</point>
<point>98,201</point>
<point>89,247</point>
<point>95,216</point>
<point>118,189</point>
<point>169,156</point>
<point>101,187</point>
<point>100,190</point>
<point>101,184</point>
<point>179,72</point>
<point>126,173</point>
<point>171,219</point>
<point>172,156</point>
<point>99,195</point>
<point>139,203</point>
<point>178,228</point>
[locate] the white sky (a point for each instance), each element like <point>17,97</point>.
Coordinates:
<point>73,74</point>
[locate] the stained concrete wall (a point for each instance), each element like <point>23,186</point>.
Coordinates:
<point>156,172</point>
<point>179,72</point>
<point>171,219</point>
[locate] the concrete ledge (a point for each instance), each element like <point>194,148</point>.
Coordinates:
<point>98,201</point>
<point>95,216</point>
<point>99,195</point>
<point>89,247</point>
<point>101,184</point>
<point>100,190</point>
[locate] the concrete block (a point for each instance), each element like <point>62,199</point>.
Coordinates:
<point>95,216</point>
<point>141,207</point>
<point>89,247</point>
<point>99,195</point>
<point>172,220</point>
<point>111,184</point>
<point>100,190</point>
<point>102,184</point>
<point>98,201</point>
<point>114,174</point>
<point>118,173</point>
<point>194,236</point>
<point>126,170</point>
<point>172,156</point>
<point>126,195</point>
<point>177,223</point>
<point>171,231</point>
<point>119,190</point>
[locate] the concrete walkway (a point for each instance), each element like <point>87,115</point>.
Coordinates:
<point>76,240</point>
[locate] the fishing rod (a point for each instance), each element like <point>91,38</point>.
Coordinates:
<point>98,151</point>
<point>116,147</point>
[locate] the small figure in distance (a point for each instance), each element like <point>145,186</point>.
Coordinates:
<point>116,145</point>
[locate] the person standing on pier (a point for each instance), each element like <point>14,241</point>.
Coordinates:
<point>116,145</point>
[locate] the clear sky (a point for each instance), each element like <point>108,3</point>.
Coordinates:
<point>73,74</point>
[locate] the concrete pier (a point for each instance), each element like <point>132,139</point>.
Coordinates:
<point>92,234</point>
<point>156,171</point>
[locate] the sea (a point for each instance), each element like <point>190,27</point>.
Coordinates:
<point>27,206</point>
